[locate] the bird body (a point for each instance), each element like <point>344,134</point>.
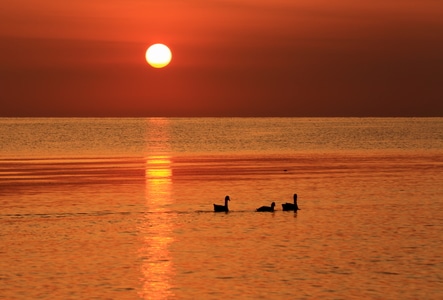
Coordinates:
<point>291,206</point>
<point>267,208</point>
<point>222,208</point>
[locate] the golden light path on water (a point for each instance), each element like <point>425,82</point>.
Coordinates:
<point>157,268</point>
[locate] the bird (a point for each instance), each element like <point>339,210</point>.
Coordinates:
<point>291,206</point>
<point>267,208</point>
<point>222,208</point>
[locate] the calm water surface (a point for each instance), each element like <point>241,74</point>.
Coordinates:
<point>122,208</point>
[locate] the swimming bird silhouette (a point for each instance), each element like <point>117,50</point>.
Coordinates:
<point>267,208</point>
<point>221,208</point>
<point>291,206</point>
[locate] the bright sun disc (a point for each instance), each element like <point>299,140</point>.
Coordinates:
<point>158,55</point>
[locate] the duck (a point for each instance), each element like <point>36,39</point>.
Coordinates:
<point>222,208</point>
<point>291,206</point>
<point>267,208</point>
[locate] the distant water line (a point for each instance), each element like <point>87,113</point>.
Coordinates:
<point>133,137</point>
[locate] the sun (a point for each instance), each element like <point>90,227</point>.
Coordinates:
<point>158,55</point>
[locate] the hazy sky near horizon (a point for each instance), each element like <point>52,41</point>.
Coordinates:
<point>230,58</point>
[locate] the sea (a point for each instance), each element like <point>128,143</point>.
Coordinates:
<point>122,208</point>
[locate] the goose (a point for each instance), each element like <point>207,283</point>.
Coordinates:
<point>291,206</point>
<point>267,208</point>
<point>221,208</point>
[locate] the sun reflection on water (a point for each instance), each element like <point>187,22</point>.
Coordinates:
<point>157,267</point>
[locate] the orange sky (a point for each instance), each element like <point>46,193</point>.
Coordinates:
<point>230,58</point>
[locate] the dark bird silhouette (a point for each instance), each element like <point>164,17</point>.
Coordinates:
<point>267,208</point>
<point>291,206</point>
<point>222,208</point>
